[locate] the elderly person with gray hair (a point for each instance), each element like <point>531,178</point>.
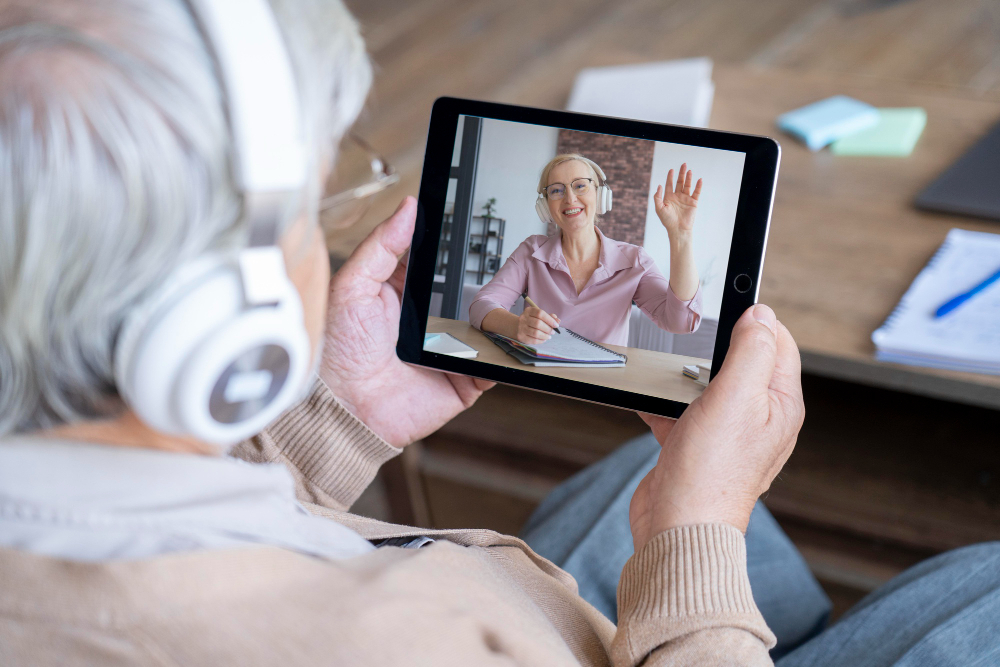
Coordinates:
<point>127,541</point>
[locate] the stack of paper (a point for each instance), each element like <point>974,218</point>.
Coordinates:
<point>968,337</point>
<point>852,127</point>
<point>678,92</point>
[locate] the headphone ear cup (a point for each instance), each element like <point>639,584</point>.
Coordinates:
<point>148,397</point>
<point>246,374</point>
<point>194,362</point>
<point>605,199</point>
<point>542,208</point>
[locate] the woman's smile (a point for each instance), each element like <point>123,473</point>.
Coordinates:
<point>572,212</point>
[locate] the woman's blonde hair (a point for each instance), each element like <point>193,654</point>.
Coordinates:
<point>543,180</point>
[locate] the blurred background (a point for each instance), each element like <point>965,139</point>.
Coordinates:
<point>895,462</point>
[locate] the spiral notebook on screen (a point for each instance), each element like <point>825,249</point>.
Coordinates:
<point>564,348</point>
<point>968,337</point>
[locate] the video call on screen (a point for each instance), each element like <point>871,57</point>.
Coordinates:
<point>503,240</point>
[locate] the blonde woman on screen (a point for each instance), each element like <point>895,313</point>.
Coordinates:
<point>583,280</point>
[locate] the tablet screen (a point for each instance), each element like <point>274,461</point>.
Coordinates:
<point>583,256</point>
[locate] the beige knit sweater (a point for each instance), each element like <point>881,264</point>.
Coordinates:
<point>474,597</point>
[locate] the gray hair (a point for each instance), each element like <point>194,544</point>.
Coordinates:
<point>115,167</point>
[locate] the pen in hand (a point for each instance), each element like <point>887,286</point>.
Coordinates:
<point>527,300</point>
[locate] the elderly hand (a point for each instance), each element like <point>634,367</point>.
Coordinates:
<point>399,402</point>
<point>732,441</point>
<point>534,326</point>
<point>675,207</point>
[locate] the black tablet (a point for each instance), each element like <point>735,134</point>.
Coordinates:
<point>597,258</point>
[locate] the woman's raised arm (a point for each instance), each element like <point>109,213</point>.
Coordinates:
<point>676,207</point>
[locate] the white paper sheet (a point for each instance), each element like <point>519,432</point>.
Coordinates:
<point>678,92</point>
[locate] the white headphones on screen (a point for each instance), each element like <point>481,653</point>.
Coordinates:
<point>220,350</point>
<point>603,193</point>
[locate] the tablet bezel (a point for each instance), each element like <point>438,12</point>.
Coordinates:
<point>753,216</point>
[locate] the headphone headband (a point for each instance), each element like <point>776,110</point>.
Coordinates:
<point>262,106</point>
<point>600,172</point>
<point>220,349</point>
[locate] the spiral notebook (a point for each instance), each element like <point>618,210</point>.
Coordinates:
<point>564,348</point>
<point>967,338</point>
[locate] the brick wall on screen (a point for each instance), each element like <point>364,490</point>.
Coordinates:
<point>628,164</point>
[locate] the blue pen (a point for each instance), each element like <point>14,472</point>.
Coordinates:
<point>954,303</point>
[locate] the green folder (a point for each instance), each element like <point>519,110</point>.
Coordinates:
<point>895,135</point>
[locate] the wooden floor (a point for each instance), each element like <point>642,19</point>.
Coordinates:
<point>879,480</point>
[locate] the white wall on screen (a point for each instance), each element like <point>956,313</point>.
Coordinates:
<point>511,157</point>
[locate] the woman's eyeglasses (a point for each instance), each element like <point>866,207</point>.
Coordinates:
<point>580,187</point>
<point>359,174</point>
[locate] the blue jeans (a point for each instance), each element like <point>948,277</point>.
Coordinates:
<point>943,611</point>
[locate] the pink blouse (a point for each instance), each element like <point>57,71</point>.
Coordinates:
<point>626,273</point>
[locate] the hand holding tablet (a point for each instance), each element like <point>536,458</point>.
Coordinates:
<point>399,402</point>
<point>633,272</point>
<point>719,459</point>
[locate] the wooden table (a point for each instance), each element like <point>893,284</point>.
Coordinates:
<point>647,372</point>
<point>845,240</point>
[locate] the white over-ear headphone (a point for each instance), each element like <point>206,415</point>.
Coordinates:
<point>220,350</point>
<point>603,194</point>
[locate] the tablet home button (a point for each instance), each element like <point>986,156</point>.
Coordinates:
<point>743,283</point>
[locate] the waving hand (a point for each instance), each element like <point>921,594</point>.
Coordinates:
<point>676,206</point>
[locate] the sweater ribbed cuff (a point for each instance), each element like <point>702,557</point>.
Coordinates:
<point>683,580</point>
<point>332,449</point>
